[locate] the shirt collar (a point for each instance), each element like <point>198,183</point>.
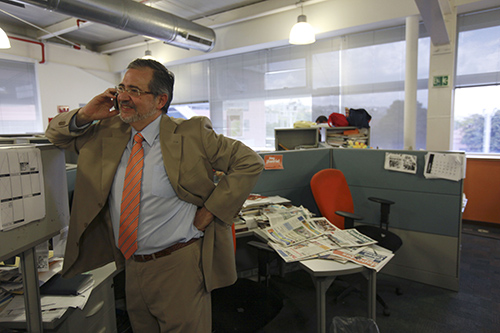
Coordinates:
<point>150,132</point>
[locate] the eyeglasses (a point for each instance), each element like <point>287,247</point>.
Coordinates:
<point>135,92</point>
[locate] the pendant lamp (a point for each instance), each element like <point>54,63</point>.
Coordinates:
<point>302,33</point>
<point>148,54</point>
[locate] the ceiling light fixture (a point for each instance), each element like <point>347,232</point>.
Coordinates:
<point>148,54</point>
<point>4,40</point>
<point>302,33</point>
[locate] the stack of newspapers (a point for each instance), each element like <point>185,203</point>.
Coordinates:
<point>297,237</point>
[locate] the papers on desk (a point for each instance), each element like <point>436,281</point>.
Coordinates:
<point>295,235</point>
<point>373,256</point>
<point>301,238</point>
<point>261,211</point>
<point>256,200</point>
<point>52,306</point>
<point>292,231</point>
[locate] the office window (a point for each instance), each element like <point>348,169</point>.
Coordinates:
<point>259,91</point>
<point>19,103</point>
<point>191,82</point>
<point>477,110</point>
<point>188,110</point>
<point>251,94</point>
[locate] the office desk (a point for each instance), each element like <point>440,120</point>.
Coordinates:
<point>324,272</point>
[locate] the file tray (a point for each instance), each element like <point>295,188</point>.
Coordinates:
<point>296,138</point>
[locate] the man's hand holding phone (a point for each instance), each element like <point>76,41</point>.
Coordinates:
<point>98,108</point>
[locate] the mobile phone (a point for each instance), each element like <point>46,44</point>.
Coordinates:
<point>115,101</point>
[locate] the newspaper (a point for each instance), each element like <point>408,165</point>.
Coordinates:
<point>350,238</point>
<point>304,250</point>
<point>299,238</point>
<point>291,231</point>
<point>373,256</point>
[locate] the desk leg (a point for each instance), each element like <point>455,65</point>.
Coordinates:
<point>372,294</point>
<point>321,284</point>
<point>31,291</point>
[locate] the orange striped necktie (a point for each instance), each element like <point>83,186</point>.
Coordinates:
<point>131,199</point>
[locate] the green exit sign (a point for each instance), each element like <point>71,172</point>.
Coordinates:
<point>440,81</point>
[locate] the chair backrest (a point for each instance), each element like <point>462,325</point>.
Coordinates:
<point>331,193</point>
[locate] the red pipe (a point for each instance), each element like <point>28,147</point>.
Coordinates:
<point>79,21</point>
<point>33,42</point>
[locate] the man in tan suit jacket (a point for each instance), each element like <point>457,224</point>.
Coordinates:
<point>191,151</point>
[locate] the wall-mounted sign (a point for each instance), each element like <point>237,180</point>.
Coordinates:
<point>273,162</point>
<point>440,81</point>
<point>62,108</point>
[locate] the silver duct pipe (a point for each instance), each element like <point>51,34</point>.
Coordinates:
<point>136,18</point>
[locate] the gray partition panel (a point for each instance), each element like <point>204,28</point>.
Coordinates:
<point>427,213</point>
<point>365,167</point>
<point>423,205</point>
<point>293,181</point>
<point>27,236</point>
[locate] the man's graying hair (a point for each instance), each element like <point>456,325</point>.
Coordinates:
<point>162,81</point>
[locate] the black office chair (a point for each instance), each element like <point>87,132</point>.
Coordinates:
<point>333,198</point>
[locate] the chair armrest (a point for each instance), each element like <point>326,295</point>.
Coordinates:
<point>385,208</point>
<point>349,218</point>
<point>381,201</point>
<point>349,215</point>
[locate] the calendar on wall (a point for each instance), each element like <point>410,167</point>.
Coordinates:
<point>445,165</point>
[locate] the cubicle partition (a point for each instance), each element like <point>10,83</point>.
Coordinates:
<point>292,182</point>
<point>426,213</point>
<point>23,240</point>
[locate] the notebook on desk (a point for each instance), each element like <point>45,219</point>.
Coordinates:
<point>57,285</point>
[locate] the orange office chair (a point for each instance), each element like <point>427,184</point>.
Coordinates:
<point>333,198</point>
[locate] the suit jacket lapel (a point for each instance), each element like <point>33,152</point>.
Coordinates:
<point>171,149</point>
<point>112,150</point>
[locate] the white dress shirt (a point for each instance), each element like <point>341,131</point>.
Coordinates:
<point>164,219</point>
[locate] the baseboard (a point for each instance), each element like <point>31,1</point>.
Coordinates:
<point>482,223</point>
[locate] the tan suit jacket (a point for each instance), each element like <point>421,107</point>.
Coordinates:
<point>191,151</point>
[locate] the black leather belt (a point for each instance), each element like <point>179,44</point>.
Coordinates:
<point>162,253</point>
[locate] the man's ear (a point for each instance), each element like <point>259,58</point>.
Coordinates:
<point>162,100</point>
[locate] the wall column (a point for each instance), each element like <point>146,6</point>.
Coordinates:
<point>440,120</point>
<point>410,105</point>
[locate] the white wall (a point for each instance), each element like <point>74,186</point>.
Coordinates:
<point>67,76</point>
<point>68,85</point>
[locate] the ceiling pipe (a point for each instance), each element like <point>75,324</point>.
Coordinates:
<point>33,42</point>
<point>136,18</point>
